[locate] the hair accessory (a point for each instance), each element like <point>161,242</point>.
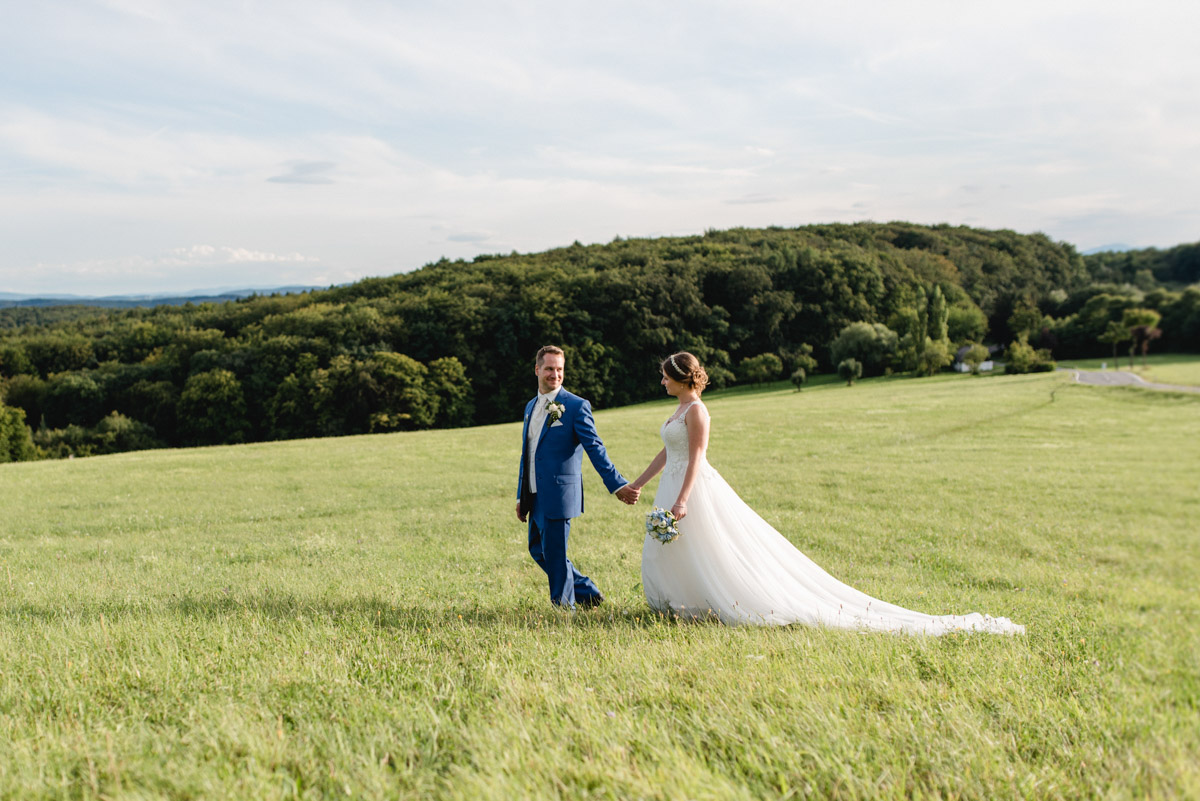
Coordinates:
<point>673,364</point>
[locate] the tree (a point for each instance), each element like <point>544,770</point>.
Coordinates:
<point>1115,333</point>
<point>153,403</point>
<point>16,441</point>
<point>73,399</point>
<point>761,368</point>
<point>799,377</point>
<point>921,332</point>
<point>798,358</point>
<point>26,392</point>
<point>872,345</point>
<point>617,308</point>
<point>938,316</point>
<point>933,357</point>
<point>924,344</point>
<point>449,383</point>
<point>1025,319</point>
<point>59,352</point>
<point>850,369</point>
<point>404,397</point>
<point>212,409</point>
<point>975,356</point>
<point>1142,325</point>
<point>966,324</point>
<point>13,360</point>
<point>1142,334</point>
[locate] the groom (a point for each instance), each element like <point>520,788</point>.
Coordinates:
<point>558,428</point>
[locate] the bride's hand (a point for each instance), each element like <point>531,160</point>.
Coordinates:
<point>679,510</point>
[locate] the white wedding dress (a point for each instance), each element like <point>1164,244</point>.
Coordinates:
<point>730,563</point>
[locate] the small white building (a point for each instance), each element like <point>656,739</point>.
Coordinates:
<point>962,367</point>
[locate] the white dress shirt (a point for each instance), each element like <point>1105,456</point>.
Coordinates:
<point>537,421</point>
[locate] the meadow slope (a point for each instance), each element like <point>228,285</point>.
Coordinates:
<point>358,616</point>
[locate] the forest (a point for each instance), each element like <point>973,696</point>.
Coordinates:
<point>450,344</point>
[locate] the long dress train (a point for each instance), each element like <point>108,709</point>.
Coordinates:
<point>729,562</point>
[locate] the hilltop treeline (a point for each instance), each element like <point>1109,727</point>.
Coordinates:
<point>1148,268</point>
<point>451,344</point>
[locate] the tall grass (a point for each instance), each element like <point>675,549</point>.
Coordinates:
<point>359,617</point>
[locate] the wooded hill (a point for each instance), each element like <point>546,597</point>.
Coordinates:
<point>450,344</point>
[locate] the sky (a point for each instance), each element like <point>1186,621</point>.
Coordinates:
<point>152,147</point>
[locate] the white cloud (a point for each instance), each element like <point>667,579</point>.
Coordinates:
<point>350,129</point>
<point>186,268</point>
<point>207,254</point>
<point>305,172</point>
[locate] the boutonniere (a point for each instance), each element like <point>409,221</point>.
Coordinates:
<point>554,411</point>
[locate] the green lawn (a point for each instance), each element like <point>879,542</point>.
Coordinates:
<point>358,617</point>
<point>1170,368</point>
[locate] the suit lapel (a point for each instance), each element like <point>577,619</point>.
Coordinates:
<point>545,428</point>
<point>525,433</point>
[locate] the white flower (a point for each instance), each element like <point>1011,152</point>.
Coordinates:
<point>660,524</point>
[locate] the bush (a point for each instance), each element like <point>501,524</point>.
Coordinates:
<point>761,368</point>
<point>1022,358</point>
<point>115,433</point>
<point>850,369</point>
<point>719,377</point>
<point>799,377</point>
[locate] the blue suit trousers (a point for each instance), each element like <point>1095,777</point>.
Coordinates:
<point>548,547</point>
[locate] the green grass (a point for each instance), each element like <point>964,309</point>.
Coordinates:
<point>1168,368</point>
<point>358,617</point>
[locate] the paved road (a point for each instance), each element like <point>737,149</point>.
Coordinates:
<point>1120,378</point>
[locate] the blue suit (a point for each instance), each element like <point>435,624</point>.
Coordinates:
<point>558,470</point>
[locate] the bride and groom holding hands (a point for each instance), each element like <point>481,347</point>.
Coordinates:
<point>727,562</point>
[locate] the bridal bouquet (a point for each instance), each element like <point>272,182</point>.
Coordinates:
<point>660,524</point>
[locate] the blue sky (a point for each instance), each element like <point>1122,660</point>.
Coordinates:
<point>170,146</point>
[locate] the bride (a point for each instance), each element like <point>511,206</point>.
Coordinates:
<point>730,563</point>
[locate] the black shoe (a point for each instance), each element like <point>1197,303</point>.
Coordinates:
<point>590,601</point>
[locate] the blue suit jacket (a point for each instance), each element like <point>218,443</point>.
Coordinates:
<point>559,459</point>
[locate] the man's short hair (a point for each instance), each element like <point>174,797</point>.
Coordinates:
<point>548,349</point>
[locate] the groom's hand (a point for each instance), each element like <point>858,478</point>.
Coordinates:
<point>520,512</point>
<point>629,494</point>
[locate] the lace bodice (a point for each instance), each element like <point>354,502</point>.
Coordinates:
<point>674,435</point>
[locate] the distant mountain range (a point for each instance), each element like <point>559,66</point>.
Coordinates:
<point>1116,247</point>
<point>10,299</point>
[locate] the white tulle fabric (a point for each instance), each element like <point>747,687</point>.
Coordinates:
<point>730,563</point>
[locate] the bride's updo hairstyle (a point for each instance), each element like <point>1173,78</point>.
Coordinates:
<point>685,368</point>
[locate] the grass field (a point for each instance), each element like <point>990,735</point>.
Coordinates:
<point>1170,368</point>
<point>358,617</point>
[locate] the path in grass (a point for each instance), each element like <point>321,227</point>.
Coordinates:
<point>1121,378</point>
<point>1161,368</point>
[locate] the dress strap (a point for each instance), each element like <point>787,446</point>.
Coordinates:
<point>683,414</point>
